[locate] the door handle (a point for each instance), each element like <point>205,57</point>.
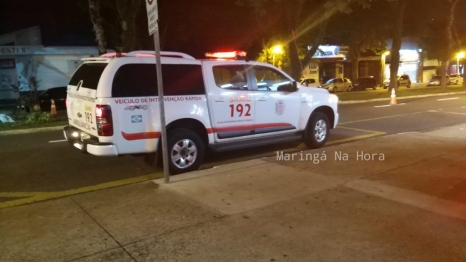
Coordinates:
<point>219,99</point>
<point>262,98</point>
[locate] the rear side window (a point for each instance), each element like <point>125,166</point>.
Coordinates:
<point>141,80</point>
<point>89,74</point>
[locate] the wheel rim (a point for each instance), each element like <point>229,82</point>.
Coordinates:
<point>184,153</point>
<point>320,131</point>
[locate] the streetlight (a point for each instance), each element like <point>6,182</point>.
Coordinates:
<point>276,50</point>
<point>458,57</point>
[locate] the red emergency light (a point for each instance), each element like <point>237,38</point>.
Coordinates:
<point>226,55</point>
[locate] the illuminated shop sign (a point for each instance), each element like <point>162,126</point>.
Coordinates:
<point>329,51</point>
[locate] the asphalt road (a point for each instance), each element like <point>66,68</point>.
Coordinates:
<point>42,163</point>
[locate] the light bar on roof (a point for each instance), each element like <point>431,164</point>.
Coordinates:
<point>232,54</point>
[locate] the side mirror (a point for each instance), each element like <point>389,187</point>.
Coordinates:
<point>293,87</point>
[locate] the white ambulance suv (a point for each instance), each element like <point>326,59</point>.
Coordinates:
<point>223,102</point>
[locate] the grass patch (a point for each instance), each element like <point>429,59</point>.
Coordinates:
<point>34,120</point>
<point>402,92</point>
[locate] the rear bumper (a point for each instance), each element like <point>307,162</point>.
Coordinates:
<point>91,146</point>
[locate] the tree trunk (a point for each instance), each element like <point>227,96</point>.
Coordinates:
<point>354,68</point>
<point>443,74</point>
<point>399,7</point>
<point>293,15</point>
<point>97,22</point>
<point>451,41</point>
<point>128,10</point>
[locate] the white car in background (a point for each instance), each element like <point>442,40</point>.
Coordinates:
<point>310,82</point>
<point>6,119</point>
<point>338,84</point>
<point>455,79</point>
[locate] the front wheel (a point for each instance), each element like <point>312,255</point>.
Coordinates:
<point>334,89</point>
<point>317,130</point>
<point>350,88</point>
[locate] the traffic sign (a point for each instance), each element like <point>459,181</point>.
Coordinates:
<point>152,15</point>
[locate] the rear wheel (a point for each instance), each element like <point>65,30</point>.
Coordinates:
<point>185,150</point>
<point>334,89</point>
<point>350,88</point>
<point>317,130</point>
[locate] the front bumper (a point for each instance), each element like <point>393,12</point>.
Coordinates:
<point>88,144</point>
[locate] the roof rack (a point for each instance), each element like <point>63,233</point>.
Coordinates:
<point>162,53</point>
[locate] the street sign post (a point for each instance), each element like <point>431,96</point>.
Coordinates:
<point>152,19</point>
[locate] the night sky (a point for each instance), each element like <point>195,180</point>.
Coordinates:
<point>194,27</point>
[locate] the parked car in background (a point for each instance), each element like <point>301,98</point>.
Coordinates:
<point>311,82</point>
<point>6,119</point>
<point>437,80</point>
<point>455,79</point>
<point>362,83</point>
<point>338,84</point>
<point>58,94</point>
<point>403,80</point>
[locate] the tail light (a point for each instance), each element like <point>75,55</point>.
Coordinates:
<point>104,120</point>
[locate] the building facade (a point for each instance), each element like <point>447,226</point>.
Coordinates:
<point>23,57</point>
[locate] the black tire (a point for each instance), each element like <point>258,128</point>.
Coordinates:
<point>374,88</point>
<point>350,88</point>
<point>309,136</point>
<point>176,136</point>
<point>334,89</point>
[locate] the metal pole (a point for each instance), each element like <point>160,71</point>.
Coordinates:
<point>163,131</point>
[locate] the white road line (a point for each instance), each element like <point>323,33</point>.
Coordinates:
<point>451,98</point>
<point>58,141</point>
<point>390,105</point>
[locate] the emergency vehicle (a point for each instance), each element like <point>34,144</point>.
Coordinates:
<point>223,102</point>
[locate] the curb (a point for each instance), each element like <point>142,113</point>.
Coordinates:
<point>31,130</point>
<point>399,98</point>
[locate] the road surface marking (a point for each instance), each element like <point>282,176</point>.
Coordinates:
<point>446,112</point>
<point>410,197</point>
<point>379,118</point>
<point>451,98</point>
<point>31,197</point>
<point>57,141</point>
<point>383,106</point>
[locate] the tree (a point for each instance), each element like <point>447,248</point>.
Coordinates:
<point>398,10</point>
<point>438,33</point>
<point>363,30</point>
<point>97,21</point>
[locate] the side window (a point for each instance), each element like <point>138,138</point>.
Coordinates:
<point>141,80</point>
<point>231,77</point>
<point>339,81</point>
<point>268,79</point>
<point>346,80</point>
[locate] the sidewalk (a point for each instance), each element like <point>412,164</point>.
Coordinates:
<point>405,202</point>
